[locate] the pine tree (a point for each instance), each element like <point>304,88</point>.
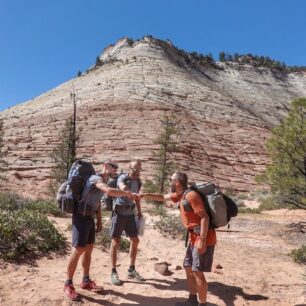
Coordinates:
<point>164,156</point>
<point>287,148</point>
<point>64,154</point>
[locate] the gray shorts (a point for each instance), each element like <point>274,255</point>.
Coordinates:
<point>83,230</point>
<point>123,223</point>
<point>200,263</point>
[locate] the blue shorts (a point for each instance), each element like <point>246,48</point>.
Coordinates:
<point>199,263</point>
<point>123,223</point>
<point>83,230</point>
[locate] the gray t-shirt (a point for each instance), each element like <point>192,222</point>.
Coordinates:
<point>124,205</point>
<point>91,195</point>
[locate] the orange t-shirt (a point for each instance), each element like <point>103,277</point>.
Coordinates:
<point>191,218</point>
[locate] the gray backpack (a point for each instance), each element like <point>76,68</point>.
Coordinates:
<point>219,207</point>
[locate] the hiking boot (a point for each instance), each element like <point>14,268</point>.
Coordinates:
<point>115,279</point>
<point>91,285</point>
<point>70,293</point>
<point>135,275</point>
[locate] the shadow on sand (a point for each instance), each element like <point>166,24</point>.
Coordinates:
<point>228,294</point>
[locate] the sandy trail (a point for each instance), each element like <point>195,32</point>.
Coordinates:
<point>252,253</point>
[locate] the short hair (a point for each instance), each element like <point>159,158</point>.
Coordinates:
<point>182,178</point>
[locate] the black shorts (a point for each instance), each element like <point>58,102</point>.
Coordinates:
<point>199,263</point>
<point>123,223</point>
<point>83,230</point>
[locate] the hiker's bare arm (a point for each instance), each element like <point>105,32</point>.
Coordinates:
<point>113,192</point>
<point>156,197</point>
<point>137,202</point>
<point>99,220</point>
<point>204,224</point>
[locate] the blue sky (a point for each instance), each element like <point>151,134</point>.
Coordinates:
<point>45,43</point>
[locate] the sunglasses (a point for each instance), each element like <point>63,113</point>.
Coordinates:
<point>113,165</point>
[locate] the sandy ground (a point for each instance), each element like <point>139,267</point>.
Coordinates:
<point>252,253</point>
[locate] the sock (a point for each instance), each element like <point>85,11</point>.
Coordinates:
<point>193,298</point>
<point>68,282</point>
<point>114,270</point>
<point>132,268</point>
<point>86,279</point>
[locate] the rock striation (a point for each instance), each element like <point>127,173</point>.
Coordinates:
<point>226,112</point>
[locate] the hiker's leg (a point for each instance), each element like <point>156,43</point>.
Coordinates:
<point>201,286</point>
<point>191,282</point>
<point>113,250</point>
<point>73,261</point>
<point>133,250</point>
<point>86,259</point>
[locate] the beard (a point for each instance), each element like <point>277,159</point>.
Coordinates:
<point>172,187</point>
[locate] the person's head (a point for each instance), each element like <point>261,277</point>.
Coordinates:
<point>135,168</point>
<point>178,182</point>
<point>109,168</point>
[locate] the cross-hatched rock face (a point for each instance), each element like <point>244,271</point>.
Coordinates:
<point>225,111</point>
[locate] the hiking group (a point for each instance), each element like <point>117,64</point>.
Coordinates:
<point>84,192</point>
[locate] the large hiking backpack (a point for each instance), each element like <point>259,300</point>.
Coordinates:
<point>219,207</point>
<point>70,192</point>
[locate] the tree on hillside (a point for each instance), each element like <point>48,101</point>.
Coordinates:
<point>3,163</point>
<point>222,56</point>
<point>287,148</point>
<point>64,154</point>
<point>164,156</point>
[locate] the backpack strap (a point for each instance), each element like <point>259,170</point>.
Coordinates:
<point>187,206</point>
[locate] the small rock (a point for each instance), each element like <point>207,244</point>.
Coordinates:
<point>218,266</point>
<point>162,268</point>
<point>178,268</point>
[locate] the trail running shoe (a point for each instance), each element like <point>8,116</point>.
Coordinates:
<point>70,293</point>
<point>115,279</point>
<point>91,285</point>
<point>135,275</point>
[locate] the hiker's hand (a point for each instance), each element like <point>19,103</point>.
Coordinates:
<point>200,245</point>
<point>99,227</point>
<point>140,215</point>
<point>134,196</point>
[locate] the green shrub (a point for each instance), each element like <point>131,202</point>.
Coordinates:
<point>25,233</point>
<point>170,226</point>
<point>299,255</point>
<point>272,202</point>
<point>25,229</point>
<point>104,239</point>
<point>12,202</point>
<point>247,210</point>
<point>156,209</point>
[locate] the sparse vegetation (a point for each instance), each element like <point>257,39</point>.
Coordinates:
<point>299,255</point>
<point>156,209</point>
<point>104,239</point>
<point>170,226</point>
<point>248,210</point>
<point>25,230</point>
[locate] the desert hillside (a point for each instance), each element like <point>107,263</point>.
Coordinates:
<point>226,112</point>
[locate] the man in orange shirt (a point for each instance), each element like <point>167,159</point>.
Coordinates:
<point>202,239</point>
